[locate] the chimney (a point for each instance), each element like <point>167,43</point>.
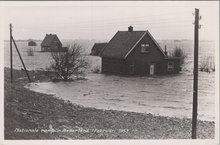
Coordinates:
<point>165,50</point>
<point>130,29</point>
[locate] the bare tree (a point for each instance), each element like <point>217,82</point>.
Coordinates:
<point>70,63</point>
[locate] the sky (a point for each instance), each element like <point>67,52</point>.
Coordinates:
<point>101,20</point>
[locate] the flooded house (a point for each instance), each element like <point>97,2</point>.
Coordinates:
<point>136,52</point>
<point>51,43</point>
<point>97,48</point>
<point>32,43</point>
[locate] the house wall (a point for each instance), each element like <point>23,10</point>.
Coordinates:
<point>176,68</point>
<point>45,49</point>
<point>111,65</point>
<point>141,61</point>
<point>55,47</point>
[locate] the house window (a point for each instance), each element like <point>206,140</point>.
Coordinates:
<point>145,48</point>
<point>170,66</point>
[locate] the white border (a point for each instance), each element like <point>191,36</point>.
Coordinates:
<point>91,142</point>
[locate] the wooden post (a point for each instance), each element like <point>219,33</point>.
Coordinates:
<point>195,76</point>
<point>21,59</point>
<point>11,63</point>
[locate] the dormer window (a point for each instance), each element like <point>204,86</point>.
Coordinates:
<point>145,48</point>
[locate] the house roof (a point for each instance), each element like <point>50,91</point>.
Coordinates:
<point>124,42</point>
<point>98,47</point>
<point>48,40</point>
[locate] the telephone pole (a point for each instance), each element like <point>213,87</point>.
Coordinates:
<point>12,40</point>
<point>21,59</point>
<point>11,63</point>
<point>195,74</point>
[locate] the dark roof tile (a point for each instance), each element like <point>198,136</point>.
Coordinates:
<point>123,42</point>
<point>97,48</point>
<point>48,40</point>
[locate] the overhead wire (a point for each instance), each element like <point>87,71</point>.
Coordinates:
<point>141,23</point>
<point>122,22</point>
<point>144,16</point>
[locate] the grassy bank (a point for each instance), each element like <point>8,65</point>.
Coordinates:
<point>31,115</point>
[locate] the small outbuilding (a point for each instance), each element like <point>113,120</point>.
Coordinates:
<point>136,52</point>
<point>32,43</point>
<point>51,43</point>
<point>97,48</point>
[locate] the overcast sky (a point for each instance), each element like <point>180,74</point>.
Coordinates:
<point>101,20</point>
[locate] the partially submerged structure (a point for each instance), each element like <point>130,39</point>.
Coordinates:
<point>51,43</point>
<point>32,43</point>
<point>97,48</point>
<point>136,52</point>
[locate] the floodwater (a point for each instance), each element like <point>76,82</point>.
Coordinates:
<point>159,95</point>
<point>169,95</point>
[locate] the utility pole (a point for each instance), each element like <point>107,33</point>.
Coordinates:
<point>12,40</point>
<point>21,59</point>
<point>195,74</point>
<point>11,63</point>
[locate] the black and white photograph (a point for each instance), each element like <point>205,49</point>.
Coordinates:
<point>110,70</point>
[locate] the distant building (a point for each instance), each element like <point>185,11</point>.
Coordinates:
<point>136,52</point>
<point>32,43</point>
<point>51,43</point>
<point>97,48</point>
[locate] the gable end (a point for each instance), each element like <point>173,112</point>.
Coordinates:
<point>135,45</point>
<point>155,42</point>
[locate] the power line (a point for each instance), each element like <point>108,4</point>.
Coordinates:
<point>145,17</point>
<point>122,22</point>
<point>108,27</point>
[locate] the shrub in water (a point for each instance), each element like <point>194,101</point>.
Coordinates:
<point>207,64</point>
<point>30,52</point>
<point>70,63</point>
<point>96,69</point>
<point>178,52</point>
